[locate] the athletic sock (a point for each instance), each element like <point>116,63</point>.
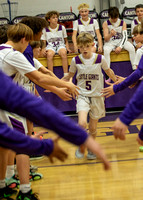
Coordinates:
<point>9,171</point>
<point>24,188</point>
<point>2,184</point>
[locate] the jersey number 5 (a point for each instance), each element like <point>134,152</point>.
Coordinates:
<point>88,85</point>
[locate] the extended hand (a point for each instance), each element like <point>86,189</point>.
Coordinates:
<point>58,152</point>
<point>108,91</point>
<point>119,129</point>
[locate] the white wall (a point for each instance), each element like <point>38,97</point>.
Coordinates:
<point>34,7</point>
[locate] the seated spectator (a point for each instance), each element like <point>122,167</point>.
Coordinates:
<point>86,24</point>
<point>55,36</point>
<point>115,36</point>
<point>136,21</point>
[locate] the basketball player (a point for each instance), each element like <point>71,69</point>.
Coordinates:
<point>88,66</point>
<point>55,36</point>
<point>137,74</point>
<point>15,99</point>
<point>86,24</point>
<point>115,36</point>
<point>13,63</point>
<point>136,21</point>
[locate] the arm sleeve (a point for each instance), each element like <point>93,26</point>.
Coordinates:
<point>134,107</point>
<point>124,39</point>
<point>15,99</point>
<point>130,79</point>
<point>20,143</point>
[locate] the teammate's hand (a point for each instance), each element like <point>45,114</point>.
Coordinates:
<point>119,129</point>
<point>108,91</point>
<point>58,152</point>
<point>73,89</point>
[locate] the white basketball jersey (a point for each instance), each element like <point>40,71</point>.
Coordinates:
<point>90,26</point>
<point>89,74</point>
<point>118,27</point>
<point>54,37</point>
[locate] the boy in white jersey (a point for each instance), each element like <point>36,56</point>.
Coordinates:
<point>56,38</point>
<point>13,63</point>
<point>88,66</point>
<point>115,36</point>
<point>136,21</point>
<point>86,24</point>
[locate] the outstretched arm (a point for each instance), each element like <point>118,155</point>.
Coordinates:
<point>111,74</point>
<point>132,111</point>
<point>15,99</point>
<point>20,143</point>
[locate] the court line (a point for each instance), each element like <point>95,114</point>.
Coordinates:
<point>88,163</point>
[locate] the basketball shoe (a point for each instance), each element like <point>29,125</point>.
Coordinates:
<point>6,192</point>
<point>27,196</point>
<point>90,156</point>
<point>78,154</point>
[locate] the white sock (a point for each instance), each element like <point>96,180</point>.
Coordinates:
<point>24,188</point>
<point>65,74</point>
<point>9,171</point>
<point>2,184</point>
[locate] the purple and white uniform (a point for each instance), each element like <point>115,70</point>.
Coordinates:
<point>118,40</point>
<point>89,26</point>
<point>15,65</point>
<point>90,82</point>
<point>54,37</point>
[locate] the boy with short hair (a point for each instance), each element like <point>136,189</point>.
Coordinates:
<point>136,21</point>
<point>88,66</point>
<point>86,24</point>
<point>56,38</point>
<point>13,64</point>
<point>115,36</point>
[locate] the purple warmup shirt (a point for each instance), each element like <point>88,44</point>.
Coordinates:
<point>135,76</point>
<point>15,99</point>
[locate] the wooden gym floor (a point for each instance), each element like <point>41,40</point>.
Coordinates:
<point>80,179</point>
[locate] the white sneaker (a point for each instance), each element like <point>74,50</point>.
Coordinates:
<point>91,156</point>
<point>78,154</point>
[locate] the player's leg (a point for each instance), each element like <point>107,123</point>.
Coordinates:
<point>63,54</point>
<point>82,121</point>
<point>130,48</point>
<point>50,55</point>
<point>107,50</point>
<point>11,179</point>
<point>82,108</point>
<point>4,190</point>
<point>97,111</point>
<point>92,127</point>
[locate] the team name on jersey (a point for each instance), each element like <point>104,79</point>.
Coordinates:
<point>57,39</point>
<point>89,76</point>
